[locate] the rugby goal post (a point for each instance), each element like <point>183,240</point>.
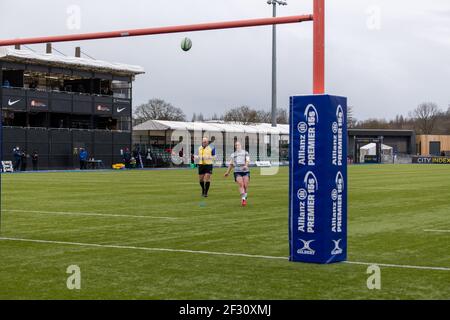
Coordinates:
<point>317,18</point>
<point>318,138</point>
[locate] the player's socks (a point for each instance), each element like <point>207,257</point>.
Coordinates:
<point>202,184</point>
<point>245,195</point>
<point>207,184</point>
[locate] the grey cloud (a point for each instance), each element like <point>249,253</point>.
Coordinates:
<point>383,72</point>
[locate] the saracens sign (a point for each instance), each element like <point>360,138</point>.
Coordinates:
<point>103,108</point>
<point>318,179</point>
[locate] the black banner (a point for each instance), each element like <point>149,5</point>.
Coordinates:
<point>371,159</point>
<point>199,310</point>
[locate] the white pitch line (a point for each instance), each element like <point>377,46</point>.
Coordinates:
<point>429,230</point>
<point>399,266</point>
<point>210,253</point>
<point>142,248</point>
<point>90,214</point>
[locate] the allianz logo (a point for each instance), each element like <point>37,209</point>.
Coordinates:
<point>337,249</point>
<point>339,119</point>
<point>337,205</point>
<point>339,186</point>
<point>306,249</point>
<point>307,204</point>
<point>311,115</point>
<point>338,137</point>
<point>311,119</point>
<point>311,186</point>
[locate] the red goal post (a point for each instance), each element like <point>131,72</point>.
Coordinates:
<point>318,17</point>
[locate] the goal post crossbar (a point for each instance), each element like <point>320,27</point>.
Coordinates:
<point>160,30</point>
<point>318,17</point>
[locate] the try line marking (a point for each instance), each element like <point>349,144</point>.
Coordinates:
<point>430,230</point>
<point>208,253</point>
<point>89,214</point>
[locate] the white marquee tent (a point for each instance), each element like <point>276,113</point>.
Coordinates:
<point>371,150</point>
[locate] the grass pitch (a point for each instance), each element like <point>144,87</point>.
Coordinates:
<point>389,209</point>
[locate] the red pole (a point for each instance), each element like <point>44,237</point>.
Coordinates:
<point>319,47</point>
<point>163,30</point>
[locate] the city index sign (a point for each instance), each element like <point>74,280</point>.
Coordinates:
<point>431,160</point>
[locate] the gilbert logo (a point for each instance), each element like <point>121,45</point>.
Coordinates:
<point>337,249</point>
<point>11,103</point>
<point>306,249</point>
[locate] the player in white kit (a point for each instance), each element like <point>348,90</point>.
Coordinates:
<point>240,162</point>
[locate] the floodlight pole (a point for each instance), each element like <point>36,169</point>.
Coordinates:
<point>274,4</point>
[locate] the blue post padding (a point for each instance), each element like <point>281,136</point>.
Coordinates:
<point>318,179</point>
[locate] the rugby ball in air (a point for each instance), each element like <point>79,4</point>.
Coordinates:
<point>186,44</point>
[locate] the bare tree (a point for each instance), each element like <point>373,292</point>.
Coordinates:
<point>263,117</point>
<point>248,115</point>
<point>372,124</point>
<point>157,109</point>
<point>351,121</point>
<point>282,116</point>
<point>244,115</point>
<point>425,116</point>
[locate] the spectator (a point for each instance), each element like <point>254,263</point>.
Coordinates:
<point>149,158</point>
<point>23,161</point>
<point>34,84</point>
<point>133,162</point>
<point>138,157</point>
<point>17,158</point>
<point>6,84</point>
<point>127,158</point>
<point>34,160</point>
<point>83,158</point>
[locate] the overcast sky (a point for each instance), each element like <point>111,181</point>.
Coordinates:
<point>386,56</point>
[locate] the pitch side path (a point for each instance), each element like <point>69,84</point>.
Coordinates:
<point>147,234</point>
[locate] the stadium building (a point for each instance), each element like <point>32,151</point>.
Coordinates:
<point>55,105</point>
<point>159,139</point>
<point>433,145</point>
<point>264,142</point>
<point>381,146</point>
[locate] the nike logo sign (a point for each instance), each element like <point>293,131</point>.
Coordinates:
<point>11,103</point>
<point>120,110</point>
